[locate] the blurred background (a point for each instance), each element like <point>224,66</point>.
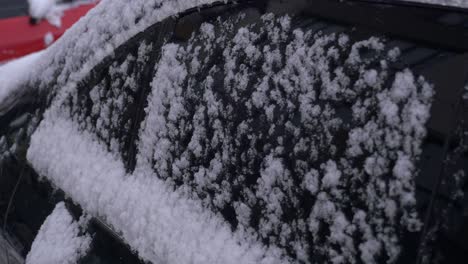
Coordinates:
<point>27,26</point>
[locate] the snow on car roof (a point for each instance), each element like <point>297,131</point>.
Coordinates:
<point>12,76</point>
<point>113,23</point>
<point>82,47</point>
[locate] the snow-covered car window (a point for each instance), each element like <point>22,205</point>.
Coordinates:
<point>110,101</point>
<point>108,108</point>
<point>308,141</point>
<point>228,135</point>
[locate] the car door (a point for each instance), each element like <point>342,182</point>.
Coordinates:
<point>298,133</point>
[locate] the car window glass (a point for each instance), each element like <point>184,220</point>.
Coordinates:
<point>308,141</point>
<point>110,101</point>
<point>448,217</point>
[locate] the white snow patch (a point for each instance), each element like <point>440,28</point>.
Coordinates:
<point>332,175</point>
<point>59,240</point>
<point>371,77</point>
<point>402,87</point>
<point>46,9</point>
<point>465,95</point>
<point>41,8</point>
<point>82,47</point>
<point>48,38</point>
<point>12,75</point>
<point>457,3</point>
<point>161,225</point>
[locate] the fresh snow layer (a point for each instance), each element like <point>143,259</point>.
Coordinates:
<point>191,159</point>
<point>48,39</point>
<point>59,240</point>
<point>83,47</point>
<point>457,3</point>
<point>250,119</point>
<point>41,8</point>
<point>13,75</point>
<point>46,9</point>
<point>168,209</point>
<point>113,22</point>
<point>157,222</point>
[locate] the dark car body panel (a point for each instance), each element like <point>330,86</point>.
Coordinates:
<point>427,46</point>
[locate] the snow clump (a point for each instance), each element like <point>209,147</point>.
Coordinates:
<point>59,240</point>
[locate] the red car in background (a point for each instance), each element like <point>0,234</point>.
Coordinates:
<point>20,34</point>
